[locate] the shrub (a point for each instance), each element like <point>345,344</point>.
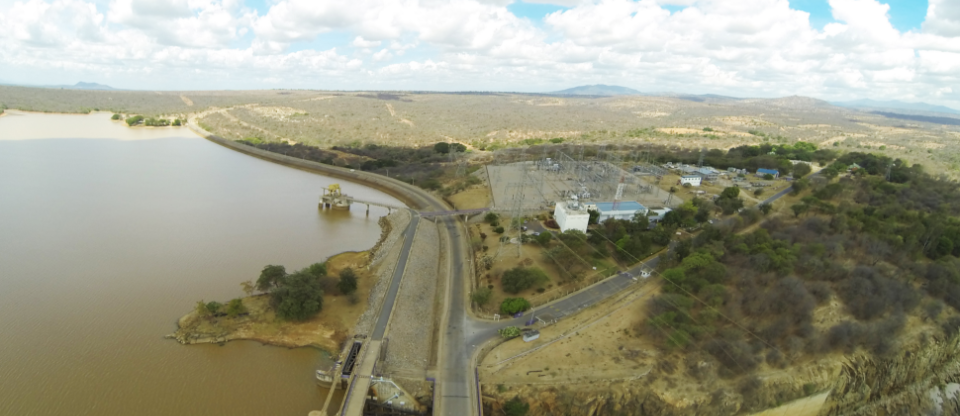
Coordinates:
<point>499,230</point>
<point>516,407</point>
<point>511,306</point>
<point>491,217</point>
<point>768,176</point>
<point>235,307</point>
<point>115,117</point>
<point>518,279</point>
<point>481,296</point>
<point>348,281</point>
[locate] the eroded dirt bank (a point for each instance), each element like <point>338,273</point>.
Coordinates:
<point>921,379</point>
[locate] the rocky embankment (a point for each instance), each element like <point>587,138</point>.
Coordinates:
<point>328,330</point>
<point>920,379</point>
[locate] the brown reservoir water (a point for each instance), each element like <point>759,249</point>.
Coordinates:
<point>109,234</point>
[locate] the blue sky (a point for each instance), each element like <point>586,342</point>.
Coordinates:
<point>904,14</point>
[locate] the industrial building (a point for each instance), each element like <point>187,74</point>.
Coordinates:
<point>619,210</point>
<point>693,180</point>
<point>571,215</point>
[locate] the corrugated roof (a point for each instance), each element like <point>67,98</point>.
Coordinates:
<point>622,206</point>
<point>770,171</point>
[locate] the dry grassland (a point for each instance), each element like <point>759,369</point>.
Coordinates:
<point>486,121</point>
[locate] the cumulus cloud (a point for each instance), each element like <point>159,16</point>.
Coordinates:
<point>943,18</point>
<point>744,47</point>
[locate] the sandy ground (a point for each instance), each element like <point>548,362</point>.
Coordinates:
<point>327,330</point>
<point>807,406</point>
<point>569,351</point>
<point>21,125</point>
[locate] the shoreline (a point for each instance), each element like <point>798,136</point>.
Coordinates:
<point>322,331</point>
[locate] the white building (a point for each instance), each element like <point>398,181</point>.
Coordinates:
<point>693,180</point>
<point>620,211</point>
<point>571,215</point>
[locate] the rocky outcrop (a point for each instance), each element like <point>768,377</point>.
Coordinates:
<point>918,380</point>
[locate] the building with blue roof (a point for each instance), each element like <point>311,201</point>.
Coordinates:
<point>624,210</point>
<point>774,172</point>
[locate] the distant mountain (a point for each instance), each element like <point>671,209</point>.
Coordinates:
<point>598,89</point>
<point>88,86</point>
<point>896,105</point>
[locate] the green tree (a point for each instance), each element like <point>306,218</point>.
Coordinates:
<point>348,281</point>
<point>499,230</point>
<point>768,176</point>
<point>442,147</point>
<point>544,238</point>
<point>730,193</point>
<point>177,122</point>
<point>516,407</point>
<point>491,217</point>
<point>134,120</point>
<point>481,296</point>
<point>800,170</point>
<point>594,216</point>
<point>511,306</point>
<point>799,209</point>
<point>235,307</point>
<point>519,278</point>
<point>765,208</point>
<point>457,147</point>
<point>214,307</point>
<point>317,269</point>
<point>298,298</point>
<point>800,186</point>
<point>642,221</point>
<point>115,117</point>
<point>271,277</point>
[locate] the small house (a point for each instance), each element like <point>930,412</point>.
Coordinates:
<point>763,172</point>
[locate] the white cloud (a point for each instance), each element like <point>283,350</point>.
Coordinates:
<point>943,18</point>
<point>359,42</point>
<point>745,47</point>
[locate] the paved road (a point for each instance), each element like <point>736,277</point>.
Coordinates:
<point>479,331</point>
<point>458,393</point>
<point>777,195</point>
<point>391,298</point>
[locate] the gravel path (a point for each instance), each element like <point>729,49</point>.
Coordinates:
<point>410,332</point>
<point>384,260</point>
